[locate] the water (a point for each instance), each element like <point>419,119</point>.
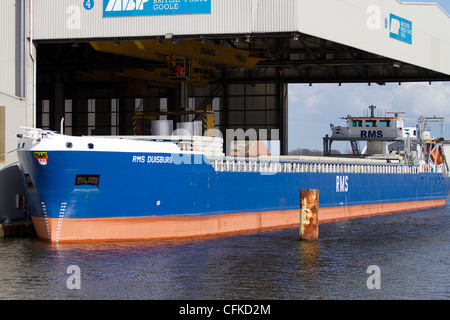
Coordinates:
<point>411,250</point>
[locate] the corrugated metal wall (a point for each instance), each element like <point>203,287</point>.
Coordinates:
<point>8,47</point>
<point>68,19</point>
<point>354,23</point>
<point>341,21</point>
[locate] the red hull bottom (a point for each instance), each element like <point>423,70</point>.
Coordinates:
<point>151,228</point>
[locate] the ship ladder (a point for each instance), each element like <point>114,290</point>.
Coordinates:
<point>355,147</point>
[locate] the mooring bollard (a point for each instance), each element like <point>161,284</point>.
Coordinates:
<point>309,214</point>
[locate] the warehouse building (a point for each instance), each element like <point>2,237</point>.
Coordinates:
<point>110,67</point>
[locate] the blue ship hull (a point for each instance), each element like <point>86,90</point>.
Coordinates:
<point>151,192</point>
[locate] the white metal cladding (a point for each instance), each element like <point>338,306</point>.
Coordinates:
<point>67,19</point>
<point>351,22</point>
<point>341,21</point>
<point>8,47</point>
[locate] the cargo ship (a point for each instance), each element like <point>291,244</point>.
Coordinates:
<point>87,188</point>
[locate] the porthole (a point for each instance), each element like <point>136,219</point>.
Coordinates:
<point>69,145</point>
<point>91,146</point>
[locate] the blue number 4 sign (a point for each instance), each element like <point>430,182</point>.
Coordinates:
<point>88,4</point>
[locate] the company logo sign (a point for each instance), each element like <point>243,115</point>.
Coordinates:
<point>341,183</point>
<point>371,134</point>
<point>41,157</point>
<point>129,8</point>
<point>400,29</point>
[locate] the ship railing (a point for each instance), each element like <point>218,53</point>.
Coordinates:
<point>275,166</point>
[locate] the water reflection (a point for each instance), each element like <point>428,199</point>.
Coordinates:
<point>270,264</point>
<point>308,251</point>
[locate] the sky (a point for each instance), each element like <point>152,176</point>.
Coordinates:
<point>313,108</point>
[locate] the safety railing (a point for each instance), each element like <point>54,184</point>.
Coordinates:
<point>275,166</point>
